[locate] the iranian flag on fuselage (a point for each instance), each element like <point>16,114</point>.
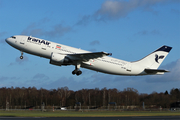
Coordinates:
<point>58,46</point>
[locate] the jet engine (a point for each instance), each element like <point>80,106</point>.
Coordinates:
<point>59,59</point>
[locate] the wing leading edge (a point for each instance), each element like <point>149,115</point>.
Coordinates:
<point>87,56</point>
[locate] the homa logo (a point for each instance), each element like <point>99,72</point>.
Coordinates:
<point>158,57</point>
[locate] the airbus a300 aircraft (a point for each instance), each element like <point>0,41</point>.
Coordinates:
<point>98,61</point>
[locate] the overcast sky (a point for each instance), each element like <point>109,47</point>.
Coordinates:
<point>129,29</point>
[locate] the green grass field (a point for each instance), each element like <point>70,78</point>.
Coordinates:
<point>86,114</point>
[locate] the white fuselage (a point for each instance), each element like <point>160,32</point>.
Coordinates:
<point>105,64</point>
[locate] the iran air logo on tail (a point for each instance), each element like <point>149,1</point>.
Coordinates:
<point>158,57</point>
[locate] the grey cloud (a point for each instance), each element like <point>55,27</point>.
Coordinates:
<point>58,31</point>
<point>44,20</point>
<point>172,76</point>
<point>155,32</point>
<point>113,10</point>
<point>146,32</point>
<point>3,78</point>
<point>95,42</point>
<point>175,11</point>
<point>3,33</point>
<point>64,81</point>
<point>148,83</point>
<point>84,20</point>
<point>28,29</point>
<point>2,40</point>
<point>174,68</point>
<point>91,79</point>
<point>103,80</point>
<point>35,32</point>
<point>37,29</point>
<point>20,61</point>
<point>40,76</point>
<point>38,80</point>
<point>118,9</point>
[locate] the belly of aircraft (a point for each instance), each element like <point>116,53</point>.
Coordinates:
<point>106,68</point>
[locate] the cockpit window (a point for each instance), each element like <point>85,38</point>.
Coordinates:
<point>13,37</point>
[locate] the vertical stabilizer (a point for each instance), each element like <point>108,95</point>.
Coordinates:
<point>154,60</point>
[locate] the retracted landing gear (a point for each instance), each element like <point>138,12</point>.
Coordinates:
<point>77,71</point>
<point>21,57</point>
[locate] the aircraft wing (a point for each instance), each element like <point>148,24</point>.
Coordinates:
<point>155,71</point>
<point>87,56</point>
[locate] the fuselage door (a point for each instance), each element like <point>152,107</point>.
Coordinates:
<point>43,46</point>
<point>22,41</point>
<point>128,67</point>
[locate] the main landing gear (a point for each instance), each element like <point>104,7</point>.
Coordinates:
<point>77,71</point>
<point>21,57</point>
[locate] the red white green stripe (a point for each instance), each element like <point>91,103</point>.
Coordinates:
<point>58,46</point>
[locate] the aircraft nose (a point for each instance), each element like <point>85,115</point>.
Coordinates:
<point>7,40</point>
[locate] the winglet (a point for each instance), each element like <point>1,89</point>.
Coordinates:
<point>110,54</point>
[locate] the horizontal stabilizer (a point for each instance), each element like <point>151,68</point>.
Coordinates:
<point>155,71</point>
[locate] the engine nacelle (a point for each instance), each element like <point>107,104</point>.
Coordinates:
<point>58,59</point>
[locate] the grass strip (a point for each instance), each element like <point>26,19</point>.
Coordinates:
<point>86,114</point>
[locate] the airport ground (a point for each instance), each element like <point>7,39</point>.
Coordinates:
<point>94,118</point>
<point>23,113</point>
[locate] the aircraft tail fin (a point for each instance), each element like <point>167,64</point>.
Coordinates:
<point>154,60</point>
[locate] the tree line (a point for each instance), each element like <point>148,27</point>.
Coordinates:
<point>87,97</point>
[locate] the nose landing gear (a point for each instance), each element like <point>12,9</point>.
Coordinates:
<point>21,57</point>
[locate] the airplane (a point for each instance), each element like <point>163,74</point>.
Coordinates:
<point>60,54</point>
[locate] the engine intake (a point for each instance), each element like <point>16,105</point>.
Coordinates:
<point>59,59</point>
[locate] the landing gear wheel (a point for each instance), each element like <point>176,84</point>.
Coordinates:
<point>21,57</point>
<point>78,73</point>
<point>74,72</point>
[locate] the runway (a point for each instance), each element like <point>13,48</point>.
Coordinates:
<point>94,118</point>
